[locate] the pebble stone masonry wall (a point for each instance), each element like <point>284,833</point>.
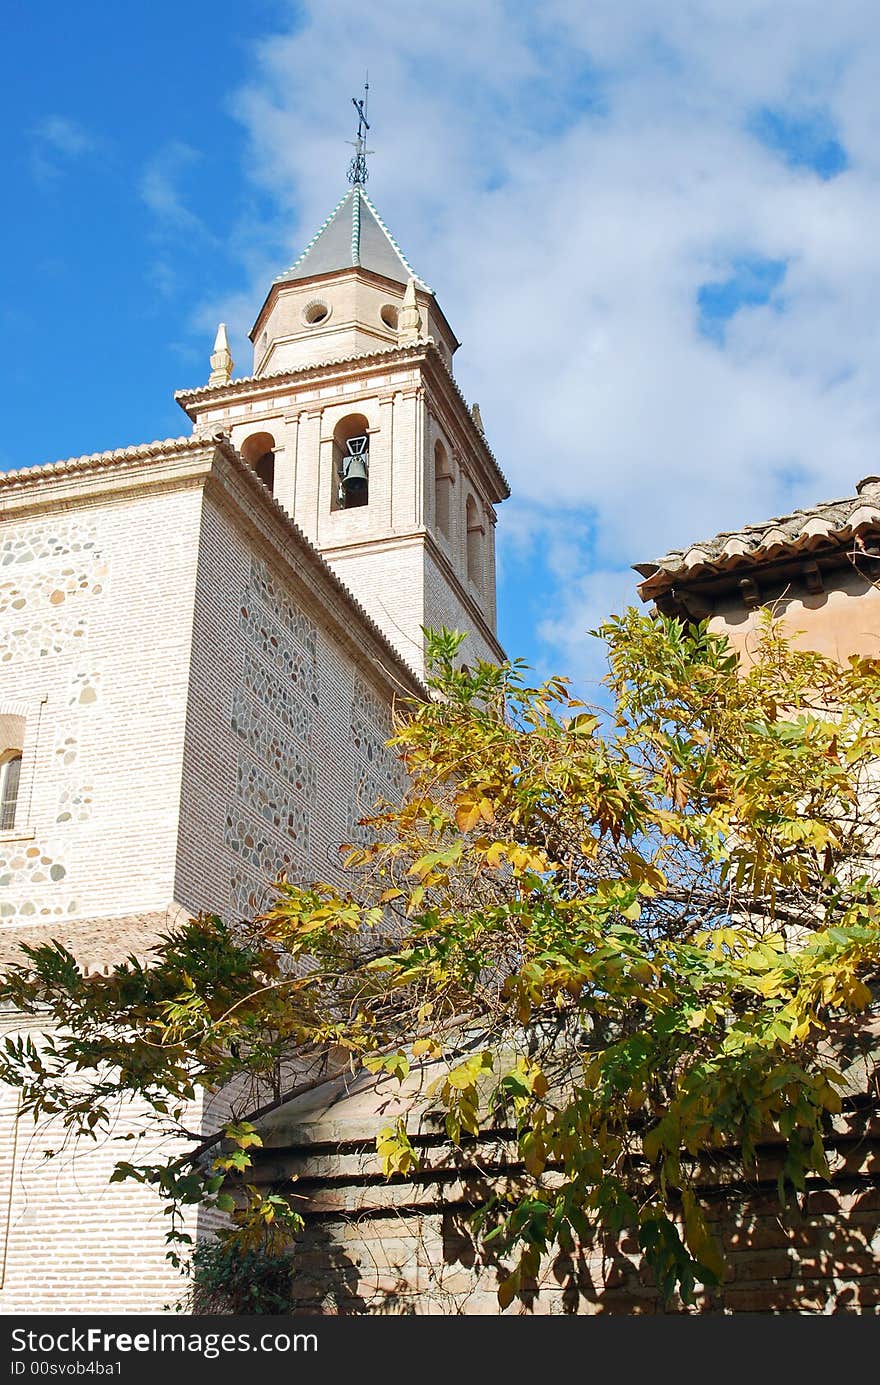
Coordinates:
<point>285,733</point>
<point>95,622</point>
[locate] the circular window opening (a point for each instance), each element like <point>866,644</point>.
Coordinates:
<point>389,316</point>
<point>315,312</point>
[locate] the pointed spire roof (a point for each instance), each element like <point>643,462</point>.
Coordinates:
<point>353,234</point>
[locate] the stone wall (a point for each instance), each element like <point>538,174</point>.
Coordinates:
<point>95,623</point>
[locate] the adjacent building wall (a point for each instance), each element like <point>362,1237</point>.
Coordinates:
<point>840,621</point>
<point>407,1245</point>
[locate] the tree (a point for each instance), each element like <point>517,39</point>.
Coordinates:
<point>639,935</point>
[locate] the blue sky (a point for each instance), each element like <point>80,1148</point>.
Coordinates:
<point>653,228</point>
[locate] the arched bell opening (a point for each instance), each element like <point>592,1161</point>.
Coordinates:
<point>259,452</point>
<point>351,463</point>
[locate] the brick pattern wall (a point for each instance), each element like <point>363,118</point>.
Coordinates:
<point>405,1246</point>
<point>282,728</point>
<point>377,774</point>
<point>444,606</point>
<point>70,1241</point>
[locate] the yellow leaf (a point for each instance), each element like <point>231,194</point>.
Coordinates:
<point>495,855</point>
<point>540,1085</point>
<point>467,815</point>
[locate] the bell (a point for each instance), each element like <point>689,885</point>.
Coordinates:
<point>354,473</point>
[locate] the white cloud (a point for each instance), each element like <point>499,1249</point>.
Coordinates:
<point>566,178</point>
<point>56,141</point>
<point>160,188</point>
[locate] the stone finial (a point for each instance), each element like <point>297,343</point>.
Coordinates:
<point>409,324</point>
<point>221,359</point>
<point>478,418</point>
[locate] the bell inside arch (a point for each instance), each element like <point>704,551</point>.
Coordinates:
<point>354,473</point>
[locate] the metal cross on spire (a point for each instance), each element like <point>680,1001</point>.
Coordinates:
<point>357,169</point>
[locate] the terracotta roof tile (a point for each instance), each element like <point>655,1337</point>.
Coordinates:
<point>97,944</point>
<point>833,522</point>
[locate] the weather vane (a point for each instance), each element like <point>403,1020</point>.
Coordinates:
<point>357,169</point>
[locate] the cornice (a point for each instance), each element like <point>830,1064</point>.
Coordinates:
<point>248,384</point>
<point>423,349</point>
<point>45,472</point>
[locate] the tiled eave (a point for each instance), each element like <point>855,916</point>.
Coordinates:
<point>251,388</point>
<point>44,472</point>
<point>98,945</point>
<point>830,534</point>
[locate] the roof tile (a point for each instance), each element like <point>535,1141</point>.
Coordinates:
<point>804,530</point>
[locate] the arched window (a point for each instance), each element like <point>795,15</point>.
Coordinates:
<point>10,778</point>
<point>12,731</point>
<point>474,542</point>
<point>443,483</point>
<point>351,463</point>
<point>259,452</point>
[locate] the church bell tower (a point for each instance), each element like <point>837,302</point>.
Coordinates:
<point>353,419</point>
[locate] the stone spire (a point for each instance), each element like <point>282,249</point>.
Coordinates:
<point>409,324</point>
<point>221,359</point>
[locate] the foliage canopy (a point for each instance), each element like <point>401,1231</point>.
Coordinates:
<point>638,937</point>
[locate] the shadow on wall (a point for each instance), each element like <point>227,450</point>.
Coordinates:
<point>817,1259</point>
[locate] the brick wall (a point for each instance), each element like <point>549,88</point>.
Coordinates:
<point>70,1241</point>
<point>404,1245</point>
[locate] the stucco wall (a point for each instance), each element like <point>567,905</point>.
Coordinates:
<point>840,621</point>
